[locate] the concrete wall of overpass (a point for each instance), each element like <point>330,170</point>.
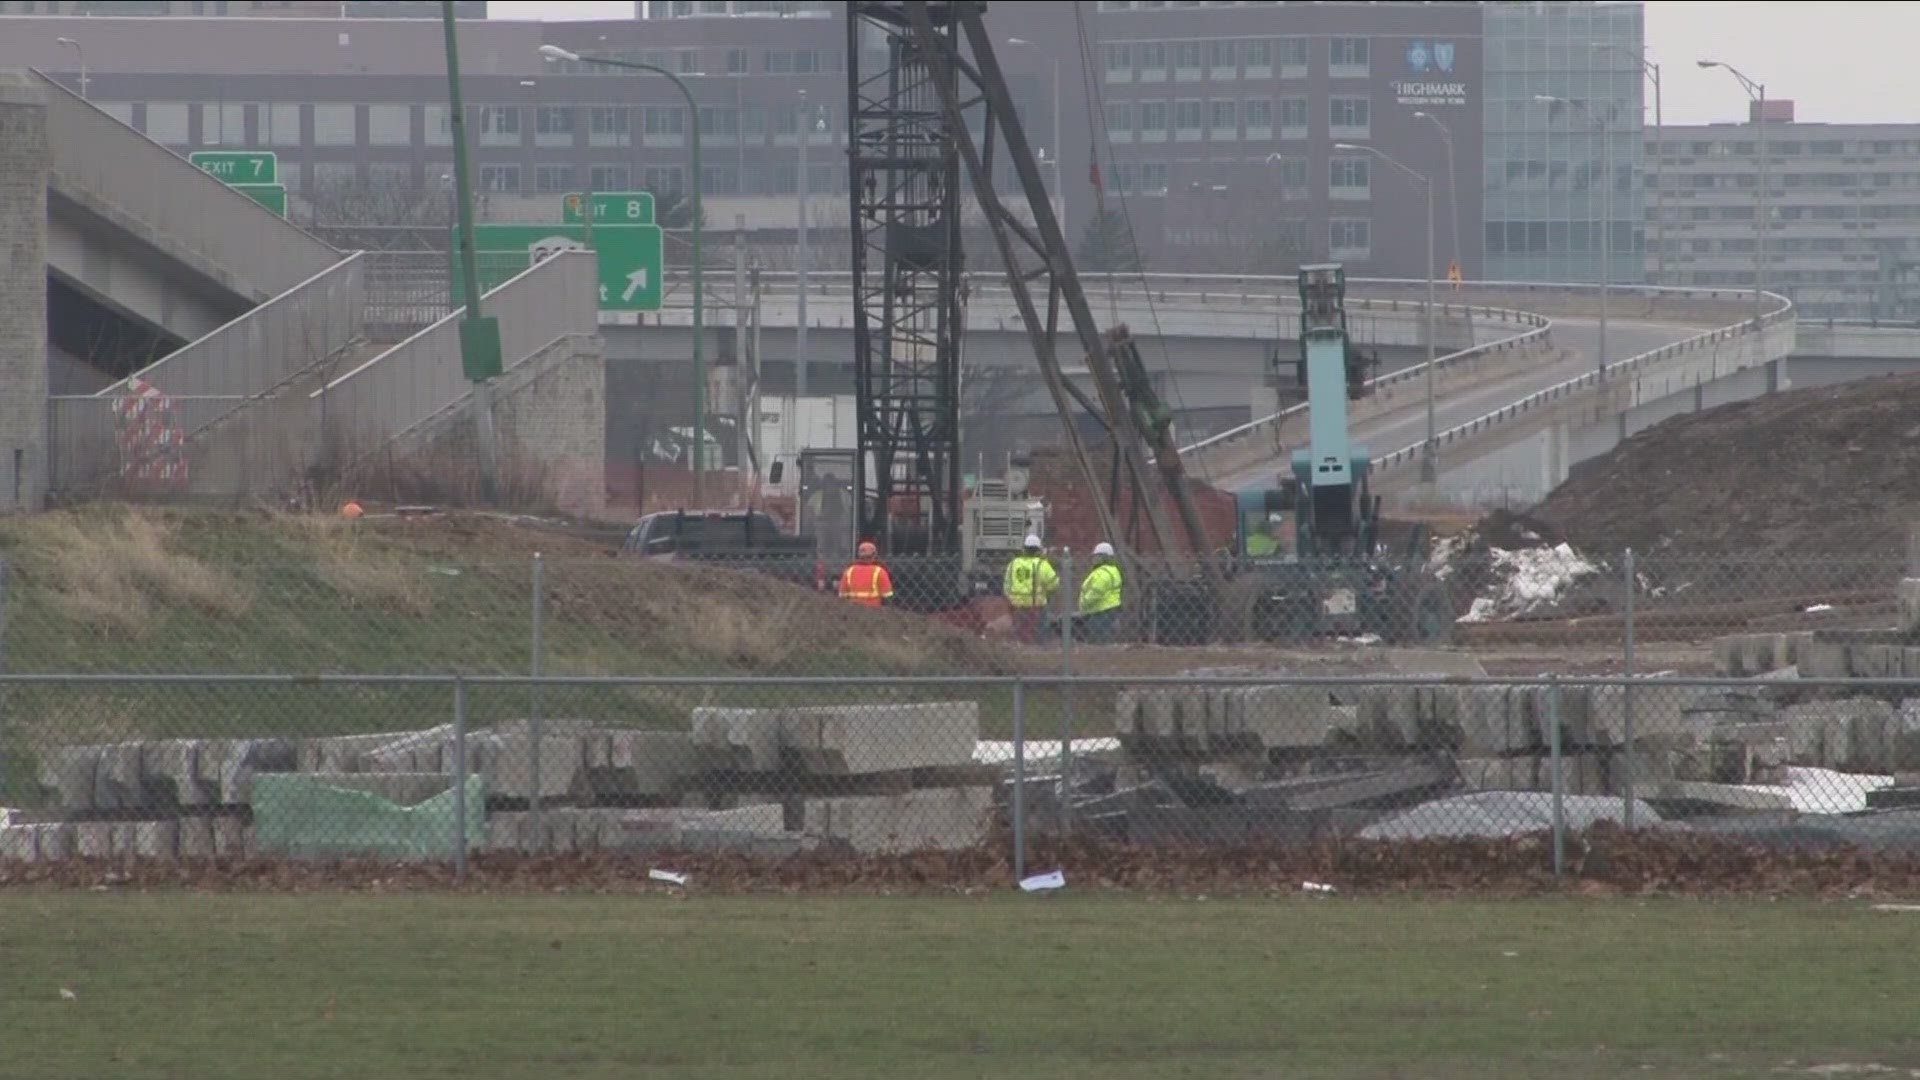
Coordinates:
<point>23,291</point>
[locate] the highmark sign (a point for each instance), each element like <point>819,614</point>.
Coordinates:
<point>1420,93</point>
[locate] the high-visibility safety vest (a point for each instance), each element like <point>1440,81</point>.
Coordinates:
<point>866,584</point>
<point>1031,581</point>
<point>1101,590</point>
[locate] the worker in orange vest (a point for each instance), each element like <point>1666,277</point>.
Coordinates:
<point>867,582</point>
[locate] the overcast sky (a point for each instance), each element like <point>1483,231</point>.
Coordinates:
<point>1838,62</point>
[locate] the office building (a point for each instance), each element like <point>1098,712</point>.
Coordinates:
<point>1556,172</point>
<point>1215,129</point>
<point>1842,202</point>
<point>260,9</point>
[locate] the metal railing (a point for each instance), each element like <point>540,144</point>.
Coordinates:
<point>1775,320</point>
<point>138,184</point>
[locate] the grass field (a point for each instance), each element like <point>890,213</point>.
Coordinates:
<point>479,988</point>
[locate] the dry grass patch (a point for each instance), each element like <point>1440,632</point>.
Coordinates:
<point>108,571</point>
<point>365,572</point>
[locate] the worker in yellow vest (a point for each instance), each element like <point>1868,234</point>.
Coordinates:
<point>1100,596</point>
<point>1030,584</point>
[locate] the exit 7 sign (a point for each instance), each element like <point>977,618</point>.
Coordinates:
<point>239,166</point>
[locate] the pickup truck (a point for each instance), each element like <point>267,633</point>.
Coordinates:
<point>734,539</point>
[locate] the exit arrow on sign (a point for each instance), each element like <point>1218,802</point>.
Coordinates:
<point>636,282</point>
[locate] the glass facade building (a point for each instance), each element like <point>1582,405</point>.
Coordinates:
<point>1556,175</point>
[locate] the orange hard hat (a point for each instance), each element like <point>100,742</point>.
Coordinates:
<point>351,510</point>
<point>867,550</point>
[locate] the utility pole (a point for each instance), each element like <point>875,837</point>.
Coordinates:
<point>1757,91</point>
<point>1604,129</point>
<point>1430,456</point>
<point>1453,186</point>
<point>480,357</point>
<point>805,256</point>
<point>742,440</point>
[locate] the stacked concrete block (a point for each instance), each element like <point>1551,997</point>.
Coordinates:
<point>564,831</point>
<point>945,819</point>
<point>167,774</point>
<point>1908,592</point>
<point>1210,721</point>
<point>1750,655</point>
<point>1580,774</point>
<point>853,739</point>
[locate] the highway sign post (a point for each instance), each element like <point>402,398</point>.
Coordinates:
<point>239,166</point>
<point>630,257</point>
<point>609,208</point>
<point>271,196</point>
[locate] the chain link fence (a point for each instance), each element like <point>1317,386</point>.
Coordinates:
<point>448,767</point>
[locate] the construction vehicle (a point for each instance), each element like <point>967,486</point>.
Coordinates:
<point>1333,576</point>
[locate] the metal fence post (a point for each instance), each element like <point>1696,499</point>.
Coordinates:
<point>1066,691</point>
<point>1626,703</point>
<point>1559,781</point>
<point>5,691</point>
<point>1019,780</point>
<point>459,778</point>
<point>534,726</point>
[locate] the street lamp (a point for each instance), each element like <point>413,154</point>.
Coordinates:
<point>1453,183</point>
<point>1605,131</point>
<point>1758,92</point>
<point>807,125</point>
<point>1430,457</point>
<point>555,52</point>
<point>1659,164</point>
<point>82,54</point>
<point>1059,187</point>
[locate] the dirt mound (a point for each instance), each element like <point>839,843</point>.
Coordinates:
<point>1826,474</point>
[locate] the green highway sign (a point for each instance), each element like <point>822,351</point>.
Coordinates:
<point>630,258</point>
<point>610,208</point>
<point>271,196</point>
<point>239,166</point>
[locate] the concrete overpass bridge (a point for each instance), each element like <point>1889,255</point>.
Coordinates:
<point>282,358</point>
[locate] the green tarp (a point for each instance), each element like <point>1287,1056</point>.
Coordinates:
<point>300,815</point>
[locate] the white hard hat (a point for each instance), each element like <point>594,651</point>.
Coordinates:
<point>1103,548</point>
<point>1031,541</point>
<point>1275,518</point>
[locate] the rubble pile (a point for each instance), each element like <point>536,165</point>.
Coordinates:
<point>873,779</point>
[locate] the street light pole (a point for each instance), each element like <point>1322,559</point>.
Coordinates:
<point>1603,129</point>
<point>555,52</point>
<point>1430,455</point>
<point>1659,164</point>
<point>82,54</point>
<point>1453,184</point>
<point>806,262</point>
<point>1758,92</point>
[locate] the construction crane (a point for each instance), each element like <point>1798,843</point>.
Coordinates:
<point>927,99</point>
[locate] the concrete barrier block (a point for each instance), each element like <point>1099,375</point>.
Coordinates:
<point>156,839</point>
<point>245,757</point>
<point>119,785</point>
<point>93,839</point>
<point>508,765</point>
<point>854,739</point>
<point>72,772</point>
<point>750,737</point>
<point>19,843</point>
<point>1493,721</point>
<point>232,838</point>
<point>1283,716</point>
<point>652,763</point>
<point>943,819</point>
<point>57,841</point>
<point>401,754</point>
<point>195,839</point>
<point>1909,597</point>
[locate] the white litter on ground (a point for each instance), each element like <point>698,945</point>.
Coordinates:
<point>1824,791</point>
<point>1529,579</point>
<point>1445,550</point>
<point>667,876</point>
<point>1000,751</point>
<point>1044,882</point>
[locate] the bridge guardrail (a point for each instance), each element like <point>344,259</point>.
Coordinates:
<point>1782,314</point>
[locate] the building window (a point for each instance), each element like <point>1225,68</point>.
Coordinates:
<point>736,61</point>
<point>439,125</point>
<point>1153,121</point>
<point>333,125</point>
<point>1119,63</point>
<point>1119,122</point>
<point>335,176</point>
<point>1153,179</point>
<point>223,124</point>
<point>1349,238</point>
<point>1293,118</point>
<point>793,61</point>
<point>1258,114</point>
<point>1222,59</point>
<point>553,125</point>
<point>1258,58</point>
<point>753,124</point>
<point>608,177</point>
<point>1293,176</point>
<point>500,178</point>
<point>607,125</point>
<point>552,179</point>
<point>167,122</point>
<point>279,125</point>
<point>389,125</point>
<point>1348,178</point>
<point>662,180</point>
<point>1223,119</point>
<point>1347,117</point>
<point>720,180</point>
<point>1153,62</point>
<point>1347,56</point>
<point>666,125</point>
<point>499,125</point>
<point>719,126</point>
<point>1186,61</point>
<point>1293,57</point>
<point>389,176</point>
<point>688,60</point>
<point>1187,120</point>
